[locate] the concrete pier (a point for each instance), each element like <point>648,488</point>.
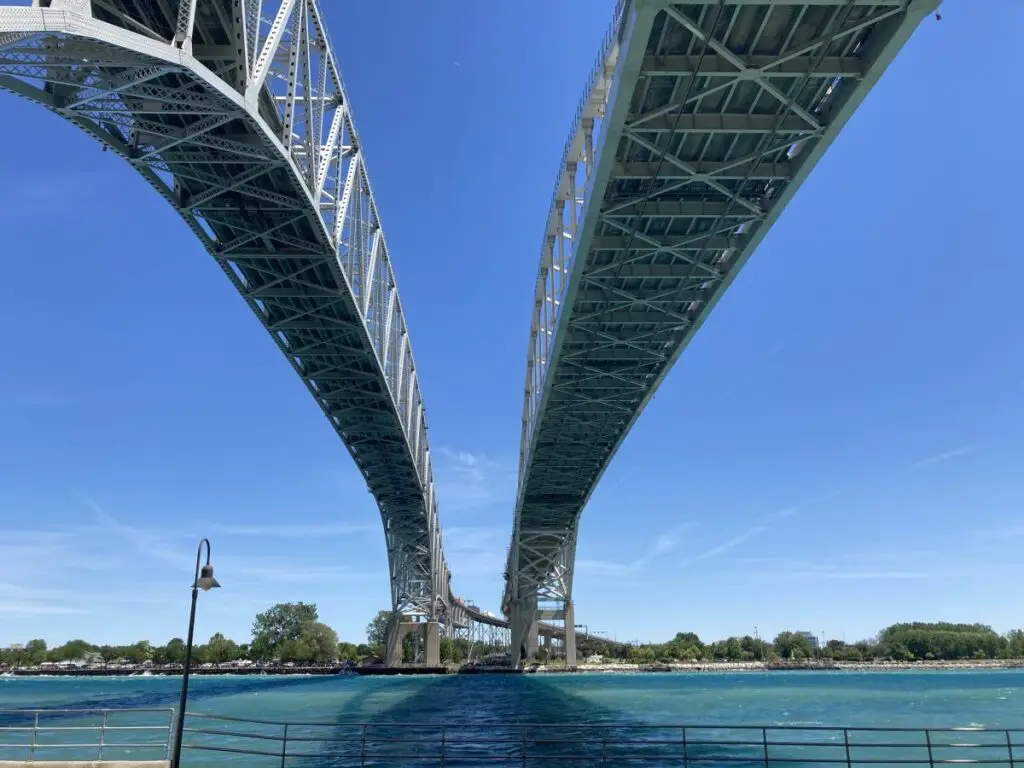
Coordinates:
<point>570,635</point>
<point>430,634</point>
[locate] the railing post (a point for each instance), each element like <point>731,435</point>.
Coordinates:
<point>362,748</point>
<point>846,745</point>
<point>928,741</point>
<point>442,744</point>
<point>764,742</point>
<point>35,735</point>
<point>284,745</point>
<point>1009,748</point>
<point>683,729</point>
<point>103,735</point>
<point>170,730</point>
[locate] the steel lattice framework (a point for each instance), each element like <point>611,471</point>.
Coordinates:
<point>235,112</point>
<point>699,123</point>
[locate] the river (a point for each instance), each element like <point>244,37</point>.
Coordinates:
<point>494,706</point>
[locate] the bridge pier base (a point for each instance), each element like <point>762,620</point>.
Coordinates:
<point>523,623</point>
<point>430,634</point>
<point>570,635</point>
<point>432,644</point>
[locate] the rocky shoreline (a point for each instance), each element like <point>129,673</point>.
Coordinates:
<point>781,666</point>
<point>594,668</point>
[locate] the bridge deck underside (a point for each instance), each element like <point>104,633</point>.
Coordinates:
<point>278,194</point>
<point>720,117</point>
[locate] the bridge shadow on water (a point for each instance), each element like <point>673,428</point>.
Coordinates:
<point>500,719</point>
<point>167,696</point>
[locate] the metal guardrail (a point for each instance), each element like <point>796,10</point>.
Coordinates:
<point>381,744</point>
<point>64,734</point>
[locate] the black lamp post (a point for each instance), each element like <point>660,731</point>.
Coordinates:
<point>204,580</point>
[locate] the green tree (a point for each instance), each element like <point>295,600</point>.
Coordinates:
<point>451,651</point>
<point>137,653</point>
<point>790,645</point>
<point>348,652</point>
<point>321,642</point>
<point>377,629</point>
<point>220,649</point>
<point>277,625</point>
<point>35,650</point>
<point>174,651</point>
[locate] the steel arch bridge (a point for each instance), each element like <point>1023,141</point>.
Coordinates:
<point>234,111</point>
<point>700,121</point>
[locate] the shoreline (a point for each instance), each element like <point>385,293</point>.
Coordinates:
<point>691,667</point>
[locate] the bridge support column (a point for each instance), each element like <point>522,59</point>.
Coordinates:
<point>523,626</point>
<point>570,635</point>
<point>432,644</point>
<point>396,633</point>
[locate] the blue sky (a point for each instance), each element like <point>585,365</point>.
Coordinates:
<point>840,448</point>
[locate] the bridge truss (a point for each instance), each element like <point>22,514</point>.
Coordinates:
<point>234,111</point>
<point>700,121</point>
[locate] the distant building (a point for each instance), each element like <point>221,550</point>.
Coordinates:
<point>811,638</point>
<point>16,647</point>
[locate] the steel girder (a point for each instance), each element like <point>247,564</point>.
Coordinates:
<point>235,112</point>
<point>697,126</point>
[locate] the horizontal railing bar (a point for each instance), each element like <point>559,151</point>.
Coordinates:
<point>90,745</point>
<point>607,726</point>
<point>240,735</point>
<point>62,728</point>
<point>133,710</point>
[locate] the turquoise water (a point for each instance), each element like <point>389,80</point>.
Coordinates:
<point>494,704</point>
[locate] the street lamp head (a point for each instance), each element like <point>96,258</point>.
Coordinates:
<point>206,581</point>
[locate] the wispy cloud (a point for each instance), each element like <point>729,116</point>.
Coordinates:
<point>262,569</point>
<point>768,521</point>
<point>476,550</point>
<point>665,543</point>
<point>37,609</point>
<point>296,531</point>
<point>467,480</point>
<point>143,541</point>
<point>735,541</point>
<point>834,573</point>
<point>871,565</point>
<point>963,450</point>
<point>1000,532</point>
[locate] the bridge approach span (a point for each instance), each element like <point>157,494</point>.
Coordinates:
<point>234,111</point>
<point>700,121</point>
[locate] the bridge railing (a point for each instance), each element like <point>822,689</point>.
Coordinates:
<point>45,735</point>
<point>551,283</point>
<point>378,744</point>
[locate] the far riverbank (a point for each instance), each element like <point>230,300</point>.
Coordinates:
<point>780,666</point>
<point>593,668</point>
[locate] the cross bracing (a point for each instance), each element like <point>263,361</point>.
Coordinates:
<point>235,112</point>
<point>697,126</point>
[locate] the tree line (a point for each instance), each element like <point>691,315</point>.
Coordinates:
<point>292,632</point>
<point>286,632</point>
<point>917,641</point>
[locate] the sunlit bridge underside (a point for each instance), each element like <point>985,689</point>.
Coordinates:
<point>699,123</point>
<point>234,111</point>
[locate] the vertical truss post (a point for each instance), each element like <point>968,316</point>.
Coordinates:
<point>186,23</point>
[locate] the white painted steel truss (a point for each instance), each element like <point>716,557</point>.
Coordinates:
<point>235,112</point>
<point>699,123</point>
